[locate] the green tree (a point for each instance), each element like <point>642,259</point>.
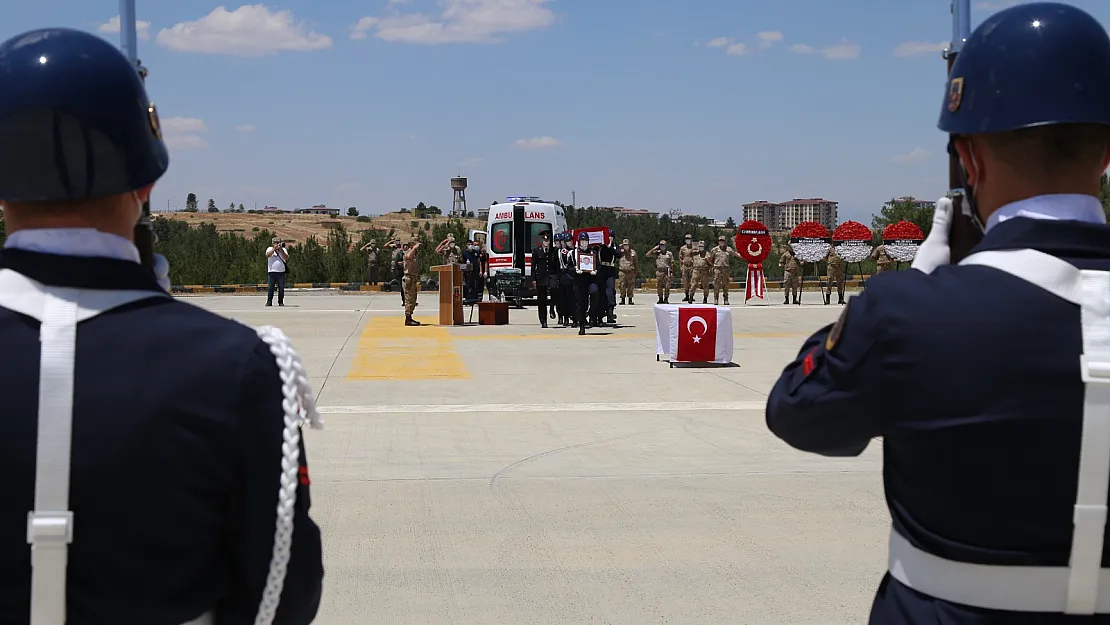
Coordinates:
<point>241,209</point>
<point>231,207</point>
<point>893,212</point>
<point>191,203</point>
<point>352,212</point>
<point>212,206</point>
<point>730,223</point>
<point>433,210</point>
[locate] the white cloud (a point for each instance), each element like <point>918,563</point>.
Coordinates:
<point>737,49</point>
<point>918,48</point>
<point>769,38</point>
<point>112,26</point>
<point>461,21</point>
<point>245,128</point>
<point>536,143</point>
<point>719,42</point>
<point>183,133</point>
<point>916,155</point>
<point>843,51</point>
<point>250,30</point>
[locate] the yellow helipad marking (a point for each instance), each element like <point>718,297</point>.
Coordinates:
<point>389,350</point>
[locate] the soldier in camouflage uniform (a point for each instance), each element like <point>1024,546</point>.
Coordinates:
<point>722,273</point>
<point>629,269</point>
<point>791,276</point>
<point>411,282</point>
<point>700,274</point>
<point>686,265</point>
<point>883,261</point>
<point>836,276</point>
<point>664,271</point>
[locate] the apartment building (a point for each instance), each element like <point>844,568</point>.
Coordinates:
<point>785,216</point>
<point>908,199</point>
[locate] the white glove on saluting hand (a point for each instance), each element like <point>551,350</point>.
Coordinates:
<point>162,272</point>
<point>934,250</point>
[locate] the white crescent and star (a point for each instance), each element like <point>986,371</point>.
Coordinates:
<point>759,248</point>
<point>704,325</point>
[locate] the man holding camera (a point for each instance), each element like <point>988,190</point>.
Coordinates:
<point>276,257</point>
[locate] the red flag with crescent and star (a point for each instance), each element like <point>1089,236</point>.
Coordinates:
<point>697,334</point>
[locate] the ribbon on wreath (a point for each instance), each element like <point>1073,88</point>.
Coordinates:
<point>755,283</point>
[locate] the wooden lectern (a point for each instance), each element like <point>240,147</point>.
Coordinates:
<point>450,295</point>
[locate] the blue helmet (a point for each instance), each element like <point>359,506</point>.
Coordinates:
<point>583,236</point>
<point>1030,65</point>
<point>75,120</point>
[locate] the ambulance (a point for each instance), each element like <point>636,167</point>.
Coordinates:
<point>513,230</point>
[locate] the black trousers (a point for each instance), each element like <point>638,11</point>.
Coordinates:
<point>277,279</point>
<point>582,298</point>
<point>564,299</point>
<point>541,296</point>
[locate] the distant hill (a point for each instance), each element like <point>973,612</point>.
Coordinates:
<point>297,228</point>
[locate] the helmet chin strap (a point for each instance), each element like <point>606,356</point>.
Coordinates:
<point>971,209</point>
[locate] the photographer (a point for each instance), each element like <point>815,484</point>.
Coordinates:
<point>276,257</point>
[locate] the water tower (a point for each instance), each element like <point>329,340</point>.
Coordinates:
<point>458,205</point>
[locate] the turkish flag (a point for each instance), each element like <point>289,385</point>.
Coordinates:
<point>697,334</point>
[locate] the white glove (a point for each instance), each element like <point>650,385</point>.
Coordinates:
<point>934,250</point>
<point>162,272</point>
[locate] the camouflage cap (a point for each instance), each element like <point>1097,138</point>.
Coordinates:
<point>624,242</point>
<point>663,242</point>
<point>689,236</point>
<point>721,238</point>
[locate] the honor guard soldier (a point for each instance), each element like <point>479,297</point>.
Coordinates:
<point>545,271</point>
<point>883,261</point>
<point>791,276</point>
<point>996,477</point>
<point>152,450</point>
<point>565,298</point>
<point>700,274</point>
<point>836,276</point>
<point>722,273</point>
<point>608,255</point>
<point>583,279</point>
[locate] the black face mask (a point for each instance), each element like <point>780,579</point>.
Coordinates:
<point>969,191</point>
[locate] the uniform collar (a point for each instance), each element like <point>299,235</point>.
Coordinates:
<point>84,242</point>
<point>1074,207</point>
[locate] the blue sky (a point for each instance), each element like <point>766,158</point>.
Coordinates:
<point>700,105</point>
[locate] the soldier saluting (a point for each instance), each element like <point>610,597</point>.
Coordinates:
<point>988,380</point>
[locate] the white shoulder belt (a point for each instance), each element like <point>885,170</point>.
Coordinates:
<point>50,524</point>
<point>1082,587</point>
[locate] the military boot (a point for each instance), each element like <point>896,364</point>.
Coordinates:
<point>660,299</point>
<point>622,301</point>
<point>726,300</point>
<point>787,300</point>
<point>630,302</point>
<point>705,298</point>
<point>716,301</point>
<point>797,301</point>
<point>409,321</point>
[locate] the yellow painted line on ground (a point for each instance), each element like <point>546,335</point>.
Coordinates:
<point>389,350</point>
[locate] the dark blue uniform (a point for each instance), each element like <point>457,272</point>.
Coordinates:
<point>175,428</point>
<point>989,381</point>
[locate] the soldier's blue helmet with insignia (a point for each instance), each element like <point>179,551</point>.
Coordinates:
<point>583,236</point>
<point>1031,65</point>
<point>75,120</point>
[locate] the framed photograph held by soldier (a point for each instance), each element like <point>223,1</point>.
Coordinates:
<point>587,262</point>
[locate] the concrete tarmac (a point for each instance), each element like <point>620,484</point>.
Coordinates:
<point>512,475</point>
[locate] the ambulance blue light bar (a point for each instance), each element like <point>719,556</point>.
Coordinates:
<point>523,198</point>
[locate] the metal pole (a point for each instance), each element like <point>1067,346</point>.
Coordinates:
<point>129,42</point>
<point>961,28</point>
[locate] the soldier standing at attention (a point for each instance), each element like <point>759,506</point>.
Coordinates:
<point>791,284</point>
<point>451,252</point>
<point>371,250</point>
<point>629,269</point>
<point>996,483</point>
<point>411,281</point>
<point>722,273</point>
<point>701,273</point>
<point>836,276</point>
<point>686,265</point>
<point>397,261</point>
<point>143,435</point>
<point>583,280</point>
<point>664,271</point>
<point>883,261</point>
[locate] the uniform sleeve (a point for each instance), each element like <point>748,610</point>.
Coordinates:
<point>828,400</point>
<point>253,528</point>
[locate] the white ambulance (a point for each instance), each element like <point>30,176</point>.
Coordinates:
<point>513,230</point>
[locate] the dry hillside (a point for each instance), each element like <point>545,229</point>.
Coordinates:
<point>297,228</point>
